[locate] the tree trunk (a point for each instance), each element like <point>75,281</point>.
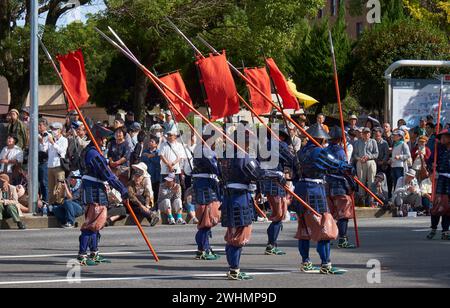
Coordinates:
<point>140,94</point>
<point>19,89</point>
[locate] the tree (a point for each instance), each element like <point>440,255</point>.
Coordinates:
<point>311,64</point>
<point>15,41</point>
<point>242,27</point>
<point>434,11</point>
<point>386,43</point>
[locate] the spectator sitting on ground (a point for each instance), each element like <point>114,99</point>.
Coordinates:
<point>380,189</point>
<point>17,128</point>
<point>190,207</point>
<point>408,192</point>
<point>11,159</point>
<point>141,195</point>
<point>71,207</point>
<point>116,210</point>
<point>9,202</point>
<point>169,200</point>
<point>426,190</point>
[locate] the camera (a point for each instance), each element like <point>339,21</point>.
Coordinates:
<point>75,125</point>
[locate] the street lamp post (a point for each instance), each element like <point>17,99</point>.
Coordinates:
<point>34,101</point>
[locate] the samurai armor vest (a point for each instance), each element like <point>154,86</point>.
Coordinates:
<point>205,191</point>
<point>271,188</point>
<point>93,192</point>
<point>443,166</point>
<point>237,208</point>
<point>337,185</point>
<point>312,193</point>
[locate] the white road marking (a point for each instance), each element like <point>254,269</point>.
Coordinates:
<point>120,253</point>
<point>222,275</point>
<point>421,230</point>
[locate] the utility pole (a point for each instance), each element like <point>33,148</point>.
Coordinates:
<point>34,102</point>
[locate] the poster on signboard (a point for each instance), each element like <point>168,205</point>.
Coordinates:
<point>413,99</point>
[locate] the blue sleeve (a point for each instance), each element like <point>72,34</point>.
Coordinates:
<point>98,163</point>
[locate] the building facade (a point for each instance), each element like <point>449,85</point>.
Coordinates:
<point>355,24</point>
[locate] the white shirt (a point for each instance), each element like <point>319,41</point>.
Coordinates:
<point>56,151</point>
<point>189,161</point>
<point>15,153</point>
<point>171,153</point>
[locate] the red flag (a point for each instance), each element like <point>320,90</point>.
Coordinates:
<point>289,100</point>
<point>175,82</point>
<point>260,78</point>
<point>219,86</point>
<point>74,75</point>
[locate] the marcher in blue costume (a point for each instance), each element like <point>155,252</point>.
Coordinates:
<point>339,189</point>
<point>441,203</point>
<point>237,207</point>
<point>206,196</point>
<point>275,194</point>
<point>95,175</point>
<point>314,164</point>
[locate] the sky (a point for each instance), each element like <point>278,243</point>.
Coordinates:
<point>77,14</point>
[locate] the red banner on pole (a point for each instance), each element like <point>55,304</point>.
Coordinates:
<point>289,100</point>
<point>260,78</point>
<point>219,86</point>
<point>175,82</point>
<point>74,75</point>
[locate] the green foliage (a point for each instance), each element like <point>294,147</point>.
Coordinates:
<point>389,42</point>
<point>311,61</point>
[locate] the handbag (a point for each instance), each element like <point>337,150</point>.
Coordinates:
<point>423,172</point>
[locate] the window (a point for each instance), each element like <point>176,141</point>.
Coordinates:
<point>359,28</point>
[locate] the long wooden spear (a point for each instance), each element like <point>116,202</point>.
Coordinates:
<point>160,85</point>
<point>438,130</point>
<point>287,116</point>
<point>94,142</point>
<point>344,137</point>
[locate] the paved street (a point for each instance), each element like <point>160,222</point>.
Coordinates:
<point>37,258</point>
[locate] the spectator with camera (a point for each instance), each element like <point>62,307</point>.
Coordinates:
<point>67,212</point>
<point>57,149</point>
<point>43,159</point>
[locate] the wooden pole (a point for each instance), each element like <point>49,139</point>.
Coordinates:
<point>344,137</point>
